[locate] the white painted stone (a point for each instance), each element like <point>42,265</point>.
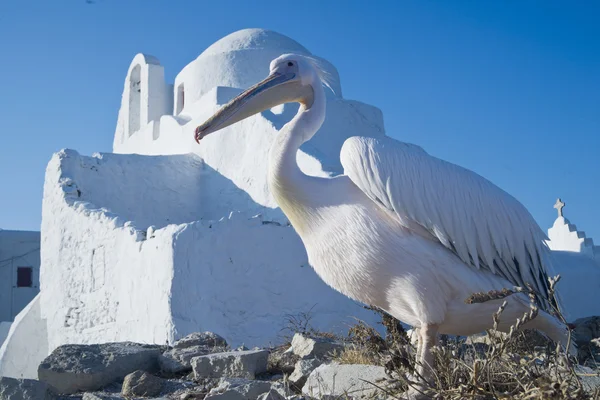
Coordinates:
<point>229,276</point>
<point>233,63</point>
<point>565,236</point>
<point>26,344</point>
<point>577,260</point>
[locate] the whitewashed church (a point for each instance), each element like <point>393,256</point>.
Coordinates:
<point>163,237</point>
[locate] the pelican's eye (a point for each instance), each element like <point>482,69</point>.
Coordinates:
<point>290,64</point>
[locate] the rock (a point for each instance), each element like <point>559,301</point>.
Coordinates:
<point>141,383</point>
<point>73,368</point>
<point>302,370</point>
<point>193,395</point>
<point>271,395</point>
<point>179,359</point>
<point>101,396</point>
<point>233,364</point>
<point>205,339</point>
<point>309,347</point>
<point>238,389</point>
<point>342,380</point>
<point>586,330</point>
<point>25,389</point>
<point>282,362</point>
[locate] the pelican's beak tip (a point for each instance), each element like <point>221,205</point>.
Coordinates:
<point>198,134</point>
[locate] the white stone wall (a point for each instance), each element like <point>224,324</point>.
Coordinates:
<point>146,97</point>
<point>17,249</point>
<point>99,281</point>
<point>243,277</point>
<point>107,277</point>
<point>564,236</point>
<point>26,344</point>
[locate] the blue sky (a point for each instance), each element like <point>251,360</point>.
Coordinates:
<point>509,89</point>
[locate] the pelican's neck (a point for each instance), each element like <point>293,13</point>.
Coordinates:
<point>287,182</point>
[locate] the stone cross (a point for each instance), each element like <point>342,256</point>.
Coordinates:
<point>559,206</point>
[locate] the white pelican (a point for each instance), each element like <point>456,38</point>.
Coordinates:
<point>401,230</point>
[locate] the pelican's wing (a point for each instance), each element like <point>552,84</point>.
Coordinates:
<point>483,225</point>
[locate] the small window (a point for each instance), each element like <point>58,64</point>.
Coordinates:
<point>24,277</point>
<point>180,101</point>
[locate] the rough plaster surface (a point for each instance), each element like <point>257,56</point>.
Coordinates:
<point>106,278</point>
<point>26,344</point>
<point>565,236</point>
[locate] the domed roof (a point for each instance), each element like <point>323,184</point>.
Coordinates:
<point>247,39</point>
<point>241,59</point>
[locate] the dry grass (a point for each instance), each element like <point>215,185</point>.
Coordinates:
<point>520,364</point>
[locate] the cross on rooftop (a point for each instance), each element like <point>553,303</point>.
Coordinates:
<point>559,206</point>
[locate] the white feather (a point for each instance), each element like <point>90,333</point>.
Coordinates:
<point>482,224</point>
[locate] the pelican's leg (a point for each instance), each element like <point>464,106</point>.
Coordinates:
<point>424,370</point>
<point>428,338</point>
<point>414,377</point>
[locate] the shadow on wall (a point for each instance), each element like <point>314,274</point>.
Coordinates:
<point>154,190</point>
<point>245,277</point>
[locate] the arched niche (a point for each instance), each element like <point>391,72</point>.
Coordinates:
<point>135,99</point>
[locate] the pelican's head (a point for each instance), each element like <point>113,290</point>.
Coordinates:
<point>292,78</point>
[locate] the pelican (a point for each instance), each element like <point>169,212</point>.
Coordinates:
<point>401,230</point>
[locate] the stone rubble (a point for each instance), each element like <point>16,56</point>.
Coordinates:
<point>238,388</point>
<point>178,359</point>
<point>119,371</point>
<point>234,364</point>
<point>103,396</point>
<point>141,383</point>
<point>311,347</point>
<point>206,339</point>
<point>282,361</point>
<point>302,370</point>
<point>586,331</point>
<point>25,389</point>
<point>271,395</point>
<point>73,368</point>
<point>345,380</point>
